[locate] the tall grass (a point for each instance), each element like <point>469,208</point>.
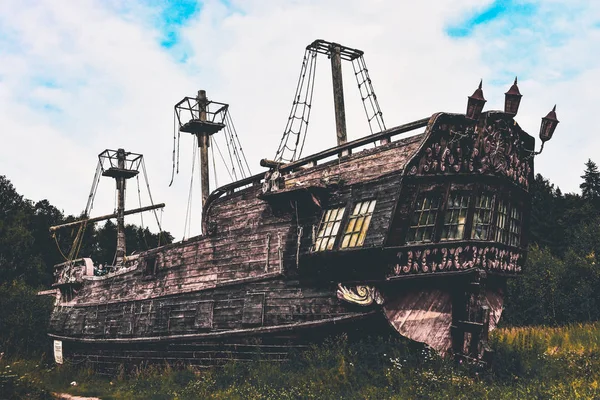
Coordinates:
<point>529,363</point>
<point>582,339</point>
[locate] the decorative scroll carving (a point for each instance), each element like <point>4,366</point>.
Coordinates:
<point>361,295</point>
<point>495,148</point>
<point>456,259</point>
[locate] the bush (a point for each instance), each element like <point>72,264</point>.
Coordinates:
<point>24,318</point>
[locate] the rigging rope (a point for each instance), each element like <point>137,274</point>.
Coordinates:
<point>58,246</point>
<point>188,212</point>
<point>223,159</point>
<point>176,136</point>
<point>294,136</point>
<point>367,95</point>
<point>297,123</point>
<point>236,140</point>
<point>231,155</point>
<point>92,195</point>
<point>77,242</point>
<point>212,150</point>
<point>150,195</point>
<point>160,232</point>
<point>141,214</point>
<point>137,180</point>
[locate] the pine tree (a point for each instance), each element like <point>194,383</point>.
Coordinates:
<point>590,188</point>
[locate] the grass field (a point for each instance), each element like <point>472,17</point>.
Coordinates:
<point>529,363</point>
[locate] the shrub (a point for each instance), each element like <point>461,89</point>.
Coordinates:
<point>24,318</point>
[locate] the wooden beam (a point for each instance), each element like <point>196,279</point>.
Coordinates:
<point>108,216</point>
<point>203,143</point>
<point>338,95</point>
<point>270,163</point>
<point>121,184</point>
<point>221,334</point>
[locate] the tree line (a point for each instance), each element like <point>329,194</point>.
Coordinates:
<point>562,271</point>
<point>28,251</point>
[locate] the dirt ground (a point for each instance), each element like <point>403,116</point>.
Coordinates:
<point>65,396</point>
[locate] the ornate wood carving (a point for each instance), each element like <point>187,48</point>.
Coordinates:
<point>361,295</point>
<point>457,258</point>
<point>495,147</point>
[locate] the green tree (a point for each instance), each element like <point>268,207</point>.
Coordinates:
<point>137,239</point>
<point>535,297</point>
<point>18,257</point>
<point>590,187</point>
<point>44,216</point>
<point>547,208</point>
<point>28,251</point>
<point>24,320</point>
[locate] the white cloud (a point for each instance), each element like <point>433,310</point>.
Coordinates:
<point>109,83</point>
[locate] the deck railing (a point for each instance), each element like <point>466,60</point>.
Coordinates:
<point>315,158</point>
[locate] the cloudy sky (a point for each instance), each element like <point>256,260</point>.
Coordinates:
<point>78,77</point>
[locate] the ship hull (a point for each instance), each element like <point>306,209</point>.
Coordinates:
<point>276,344</point>
<point>188,329</point>
<point>421,232</point>
<point>426,316</point>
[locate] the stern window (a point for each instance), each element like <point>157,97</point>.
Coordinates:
<point>482,219</point>
<point>455,217</point>
<point>358,224</point>
<point>423,219</point>
<point>514,231</point>
<point>501,232</point>
<point>328,229</point>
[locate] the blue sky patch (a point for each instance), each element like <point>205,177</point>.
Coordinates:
<point>45,81</point>
<point>173,15</point>
<point>51,108</point>
<point>516,10</point>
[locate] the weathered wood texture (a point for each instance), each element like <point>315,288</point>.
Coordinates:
<point>266,303</point>
<point>367,165</point>
<point>254,267</point>
<point>425,315</point>
<point>253,238</point>
<point>109,357</point>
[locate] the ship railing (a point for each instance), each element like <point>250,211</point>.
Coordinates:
<point>347,148</point>
<point>313,159</point>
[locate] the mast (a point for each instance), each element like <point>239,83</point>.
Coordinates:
<point>203,143</point>
<point>290,147</point>
<point>338,93</point>
<point>121,182</point>
<point>122,165</point>
<point>194,116</point>
<point>119,165</point>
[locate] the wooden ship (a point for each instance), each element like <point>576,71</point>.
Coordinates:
<point>413,229</point>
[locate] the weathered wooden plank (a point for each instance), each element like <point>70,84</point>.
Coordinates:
<point>424,316</point>
<point>253,311</point>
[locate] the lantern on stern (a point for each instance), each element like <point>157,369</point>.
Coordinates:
<point>549,123</point>
<point>475,103</point>
<point>512,99</point>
